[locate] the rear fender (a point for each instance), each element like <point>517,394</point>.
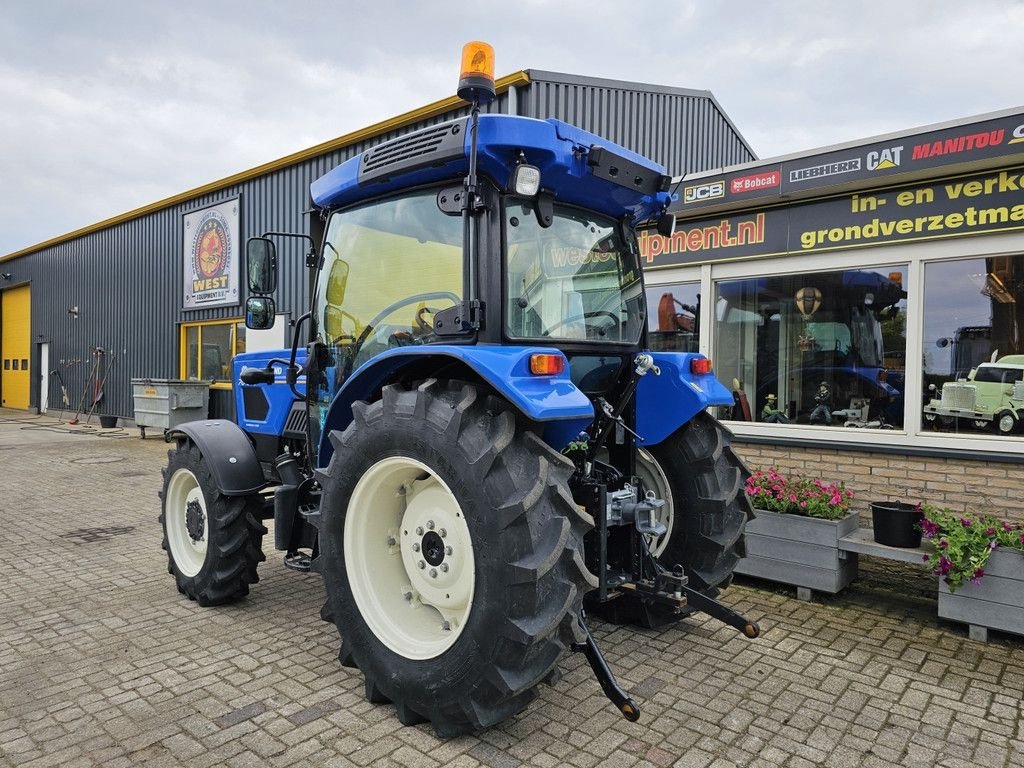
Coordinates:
<point>552,400</point>
<point>665,403</point>
<point>228,453</point>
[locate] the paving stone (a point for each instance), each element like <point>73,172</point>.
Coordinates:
<point>103,662</point>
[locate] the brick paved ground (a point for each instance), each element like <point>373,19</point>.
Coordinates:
<point>102,662</point>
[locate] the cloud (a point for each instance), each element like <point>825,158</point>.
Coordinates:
<point>109,107</point>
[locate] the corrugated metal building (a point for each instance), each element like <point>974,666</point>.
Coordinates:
<point>117,284</point>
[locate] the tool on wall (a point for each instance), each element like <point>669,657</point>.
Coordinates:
<point>91,383</point>
<point>98,396</point>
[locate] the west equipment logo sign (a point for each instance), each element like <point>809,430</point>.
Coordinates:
<point>211,257</point>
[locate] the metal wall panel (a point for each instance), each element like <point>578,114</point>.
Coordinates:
<point>685,130</point>
<point>126,280</point>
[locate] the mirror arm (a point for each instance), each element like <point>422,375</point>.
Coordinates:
<point>292,373</point>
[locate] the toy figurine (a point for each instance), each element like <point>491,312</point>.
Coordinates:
<point>822,413</point>
<point>771,414</point>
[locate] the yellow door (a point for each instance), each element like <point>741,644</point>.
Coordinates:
<point>15,347</point>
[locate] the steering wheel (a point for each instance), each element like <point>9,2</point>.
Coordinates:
<point>416,297</point>
<point>585,316</point>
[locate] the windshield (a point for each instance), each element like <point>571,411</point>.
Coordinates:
<point>577,280</point>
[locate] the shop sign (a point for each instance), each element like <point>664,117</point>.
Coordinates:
<point>211,256</point>
<point>1001,137</point>
<point>957,207</point>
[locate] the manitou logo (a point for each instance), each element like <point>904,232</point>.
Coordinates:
<point>709,191</point>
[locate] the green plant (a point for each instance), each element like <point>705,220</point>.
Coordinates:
<point>798,495</point>
<point>963,543</point>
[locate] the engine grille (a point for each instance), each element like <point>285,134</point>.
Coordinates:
<point>435,145</point>
<point>959,396</point>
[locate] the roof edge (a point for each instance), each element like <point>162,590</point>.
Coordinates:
<point>425,112</point>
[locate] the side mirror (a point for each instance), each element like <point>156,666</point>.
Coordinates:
<point>337,280</point>
<point>260,312</point>
<point>261,261</point>
<point>667,225</point>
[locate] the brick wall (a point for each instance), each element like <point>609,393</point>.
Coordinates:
<point>980,486</point>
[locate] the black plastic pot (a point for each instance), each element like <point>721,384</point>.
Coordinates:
<point>108,422</point>
<point>896,523</point>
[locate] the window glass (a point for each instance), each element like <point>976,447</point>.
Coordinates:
<point>192,352</point>
<point>825,348</point>
<point>673,317</point>
<point>239,338</point>
<point>209,348</point>
<point>578,279</point>
<point>973,347</point>
<point>389,267</point>
<point>215,358</point>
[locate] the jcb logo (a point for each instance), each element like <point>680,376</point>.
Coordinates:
<point>708,191</point>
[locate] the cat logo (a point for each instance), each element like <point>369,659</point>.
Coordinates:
<point>1018,135</point>
<point>883,159</point>
<point>700,192</point>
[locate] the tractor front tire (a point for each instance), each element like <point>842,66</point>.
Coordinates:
<point>213,542</point>
<point>707,502</point>
<point>452,555</point>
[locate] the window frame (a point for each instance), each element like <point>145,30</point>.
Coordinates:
<point>914,256</point>
<point>234,323</point>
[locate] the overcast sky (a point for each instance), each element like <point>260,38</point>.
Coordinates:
<point>107,106</point>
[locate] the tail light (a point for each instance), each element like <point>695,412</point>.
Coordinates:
<point>700,366</point>
<point>546,364</point>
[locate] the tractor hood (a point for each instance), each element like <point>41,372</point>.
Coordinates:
<point>578,167</point>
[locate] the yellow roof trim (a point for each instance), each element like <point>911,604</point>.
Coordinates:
<point>399,121</point>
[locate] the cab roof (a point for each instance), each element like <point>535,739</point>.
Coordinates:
<point>578,167</point>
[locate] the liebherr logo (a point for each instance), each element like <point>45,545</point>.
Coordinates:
<point>709,191</point>
<point>826,169</point>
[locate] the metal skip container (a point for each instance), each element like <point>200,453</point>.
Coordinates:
<point>165,403</point>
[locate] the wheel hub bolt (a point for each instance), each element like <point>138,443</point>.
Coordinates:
<point>433,573</point>
<point>419,530</point>
<point>446,626</point>
<point>443,532</point>
<point>391,541</point>
<point>430,525</point>
<point>444,567</point>
<point>447,550</point>
<point>422,565</point>
<point>415,547</point>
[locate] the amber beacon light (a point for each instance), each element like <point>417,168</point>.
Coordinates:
<point>476,79</point>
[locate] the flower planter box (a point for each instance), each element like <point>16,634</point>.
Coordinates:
<point>802,551</point>
<point>997,602</point>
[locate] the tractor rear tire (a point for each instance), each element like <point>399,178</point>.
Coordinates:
<point>213,542</point>
<point>709,507</point>
<point>459,630</point>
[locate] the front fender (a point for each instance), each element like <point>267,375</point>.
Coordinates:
<point>227,452</point>
<point>666,402</point>
<point>553,399</point>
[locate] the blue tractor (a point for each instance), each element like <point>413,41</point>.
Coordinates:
<point>467,439</point>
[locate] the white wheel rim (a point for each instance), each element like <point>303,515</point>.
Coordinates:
<point>409,558</point>
<point>183,492</point>
<point>1006,423</point>
<point>654,479</point>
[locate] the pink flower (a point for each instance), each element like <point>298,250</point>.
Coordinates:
<point>966,522</point>
<point>945,565</point>
<point>836,499</point>
<point>803,505</point>
<point>943,544</point>
<point>978,573</point>
<point>990,531</point>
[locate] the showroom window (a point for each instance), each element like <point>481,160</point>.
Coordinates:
<point>207,349</point>
<point>973,351</point>
<point>821,349</point>
<point>673,317</point>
